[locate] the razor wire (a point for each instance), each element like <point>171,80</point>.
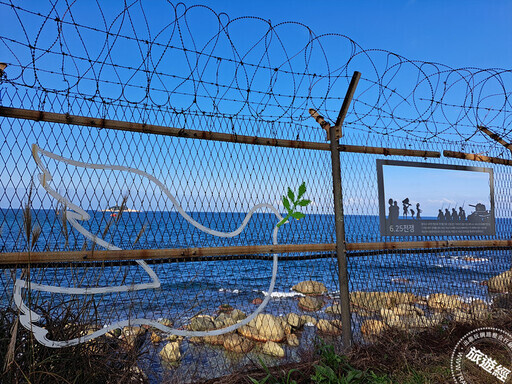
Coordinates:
<point>171,62</point>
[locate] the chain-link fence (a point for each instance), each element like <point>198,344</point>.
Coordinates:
<point>147,166</point>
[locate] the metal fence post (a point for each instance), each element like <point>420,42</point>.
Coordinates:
<point>334,134</point>
<point>341,254</point>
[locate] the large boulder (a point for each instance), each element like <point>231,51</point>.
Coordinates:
<point>332,327</point>
<point>272,349</point>
<point>374,301</point>
<point>264,327</point>
<point>223,320</point>
<point>215,340</point>
<point>237,343</point>
<point>292,340</point>
<point>201,323</point>
<point>294,320</point>
<point>308,320</point>
<point>442,302</point>
<point>372,328</point>
<point>310,304</point>
<point>335,309</point>
<point>171,352</point>
<point>310,287</point>
<point>407,310</point>
<point>501,283</point>
<point>133,336</point>
<point>237,315</point>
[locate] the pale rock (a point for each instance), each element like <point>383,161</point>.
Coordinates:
<point>237,315</point>
<point>215,340</point>
<point>223,320</point>
<point>372,328</point>
<point>272,349</point>
<point>174,338</point>
<point>201,323</point>
<point>294,320</point>
<point>374,301</point>
<point>407,310</point>
<point>306,320</point>
<point>501,283</point>
<point>292,340</point>
<point>171,352</point>
<point>166,322</point>
<point>310,287</point>
<point>329,327</point>
<point>443,302</point>
<point>155,338</point>
<point>131,334</point>
<point>265,327</point>
<point>334,309</point>
<point>311,304</point>
<point>237,343</point>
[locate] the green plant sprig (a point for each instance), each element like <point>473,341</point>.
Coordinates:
<point>291,203</point>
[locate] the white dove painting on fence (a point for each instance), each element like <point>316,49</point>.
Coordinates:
<point>75,215</point>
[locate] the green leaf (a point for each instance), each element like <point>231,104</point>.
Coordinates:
<point>302,190</point>
<point>304,203</point>
<point>286,204</point>
<point>298,215</point>
<point>291,195</point>
<point>283,221</point>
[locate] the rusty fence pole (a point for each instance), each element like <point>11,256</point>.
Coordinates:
<point>334,134</point>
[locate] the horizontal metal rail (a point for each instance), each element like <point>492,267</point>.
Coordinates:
<point>93,122</point>
<point>13,258</point>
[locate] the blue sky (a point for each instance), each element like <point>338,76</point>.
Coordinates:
<point>458,33</point>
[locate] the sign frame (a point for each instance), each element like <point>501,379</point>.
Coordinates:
<point>434,227</point>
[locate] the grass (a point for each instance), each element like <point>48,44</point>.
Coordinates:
<point>104,360</point>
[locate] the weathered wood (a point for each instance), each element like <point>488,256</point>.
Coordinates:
<point>156,129</point>
<point>495,137</point>
<point>439,244</point>
<point>190,253</point>
<point>388,151</point>
<point>61,118</point>
<point>476,157</point>
<point>145,254</point>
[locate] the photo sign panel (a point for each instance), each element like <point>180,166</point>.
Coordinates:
<point>419,199</point>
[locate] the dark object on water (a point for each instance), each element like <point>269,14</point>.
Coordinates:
<point>257,301</point>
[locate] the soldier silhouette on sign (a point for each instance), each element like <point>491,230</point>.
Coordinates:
<point>405,206</point>
<point>447,215</point>
<point>440,215</point>
<point>462,214</point>
<point>455,215</point>
<point>396,211</point>
<point>418,211</point>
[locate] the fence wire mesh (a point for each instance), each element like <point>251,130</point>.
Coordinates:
<point>136,63</point>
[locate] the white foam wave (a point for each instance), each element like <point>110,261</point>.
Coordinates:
<point>282,294</point>
<point>235,291</point>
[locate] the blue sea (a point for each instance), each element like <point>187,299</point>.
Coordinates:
<point>219,280</point>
